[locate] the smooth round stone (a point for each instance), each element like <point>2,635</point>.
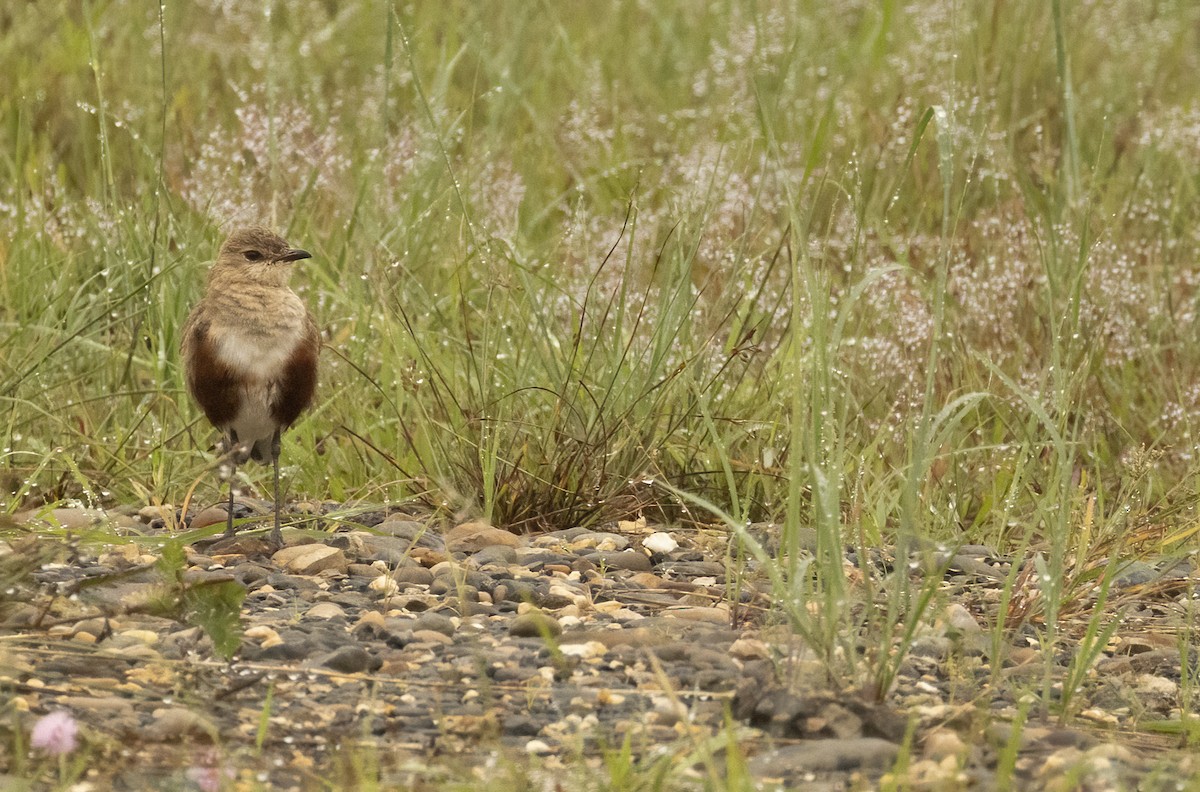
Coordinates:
<point>418,575</point>
<point>248,573</point>
<point>699,613</point>
<point>1135,573</point>
<point>350,660</point>
<point>535,559</point>
<point>264,636</point>
<point>693,569</point>
<point>534,624</point>
<point>210,516</point>
<point>443,587</point>
<point>389,549</point>
<point>598,540</point>
<point>147,637</point>
<point>810,756</point>
<point>383,585</point>
<point>282,582</point>
<point>499,555</point>
<point>452,583</point>
<point>396,633</point>
<point>194,577</point>
<point>431,637</point>
<point>961,619</point>
<point>557,538</point>
<point>95,626</point>
<point>417,604</point>
<point>417,533</point>
<point>519,591</point>
<point>660,542</point>
<point>631,560</point>
<point>176,723</point>
<point>471,537</point>
<point>309,559</point>
<point>325,610</point>
<point>520,725</point>
<point>435,622</point>
<point>107,706</point>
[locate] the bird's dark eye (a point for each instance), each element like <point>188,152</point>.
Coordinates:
<point>253,255</point>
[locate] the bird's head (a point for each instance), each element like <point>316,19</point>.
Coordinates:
<point>258,254</point>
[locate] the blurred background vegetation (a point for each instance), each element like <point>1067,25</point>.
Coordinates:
<point>928,267</point>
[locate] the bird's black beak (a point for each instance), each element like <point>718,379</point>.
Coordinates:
<point>295,254</point>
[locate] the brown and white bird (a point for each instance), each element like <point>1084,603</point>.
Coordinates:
<point>250,349</point>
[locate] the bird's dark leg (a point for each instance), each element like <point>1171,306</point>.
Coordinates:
<point>276,533</point>
<point>231,449</point>
<point>229,518</point>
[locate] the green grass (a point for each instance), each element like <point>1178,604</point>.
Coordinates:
<point>883,272</point>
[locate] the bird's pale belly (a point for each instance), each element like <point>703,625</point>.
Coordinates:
<point>258,355</point>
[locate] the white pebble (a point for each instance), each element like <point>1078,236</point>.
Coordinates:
<point>660,542</point>
<point>537,747</point>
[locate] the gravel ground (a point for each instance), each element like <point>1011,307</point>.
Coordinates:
<point>435,652</point>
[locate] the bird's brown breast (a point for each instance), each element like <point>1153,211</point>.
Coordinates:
<point>251,371</point>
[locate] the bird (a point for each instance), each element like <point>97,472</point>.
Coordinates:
<point>250,349</point>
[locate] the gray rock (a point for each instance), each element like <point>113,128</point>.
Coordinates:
<point>792,762</point>
<point>693,569</point>
<point>417,533</point>
<point>632,560</point>
<point>435,622</point>
<point>352,659</point>
<point>1135,573</point>
<point>176,723</point>
<point>417,575</point>
<point>556,538</point>
<point>598,540</point>
<point>534,624</point>
<point>309,559</point>
<point>499,555</point>
<point>471,537</point>
<point>520,725</point>
<point>519,591</point>
<point>389,549</point>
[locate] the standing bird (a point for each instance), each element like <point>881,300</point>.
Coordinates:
<point>250,350</point>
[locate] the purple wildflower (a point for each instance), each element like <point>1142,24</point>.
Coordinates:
<point>56,733</point>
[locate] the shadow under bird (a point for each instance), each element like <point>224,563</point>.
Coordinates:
<point>250,349</point>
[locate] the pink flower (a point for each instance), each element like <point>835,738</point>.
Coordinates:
<point>56,733</point>
<point>208,773</point>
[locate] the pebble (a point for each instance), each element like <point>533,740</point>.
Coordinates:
<point>792,762</point>
<point>310,559</point>
<point>431,636</point>
<point>435,622</point>
<point>597,540</point>
<point>213,515</point>
<point>416,533</point>
<point>471,537</point>
<point>712,615</point>
<point>71,519</point>
<point>325,610</point>
<point>631,560</point>
<point>454,650</point>
<point>178,723</point>
<point>660,542</point>
<point>350,660</point>
<point>534,624</point>
<point>496,555</point>
<point>385,585</point>
<point>415,575</point>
